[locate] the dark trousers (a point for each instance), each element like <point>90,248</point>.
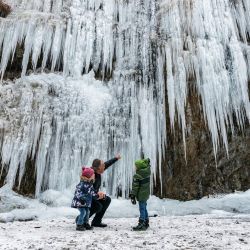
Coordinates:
<point>99,208</point>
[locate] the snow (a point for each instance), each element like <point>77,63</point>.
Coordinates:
<point>53,204</point>
<point>188,232</point>
<point>219,222</point>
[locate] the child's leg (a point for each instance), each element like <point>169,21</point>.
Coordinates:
<point>146,211</point>
<point>147,219</point>
<point>142,208</point>
<point>142,225</point>
<point>86,218</point>
<point>80,219</point>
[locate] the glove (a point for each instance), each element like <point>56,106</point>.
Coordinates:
<point>133,200</point>
<point>82,200</point>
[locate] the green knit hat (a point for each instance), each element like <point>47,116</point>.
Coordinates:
<point>141,164</point>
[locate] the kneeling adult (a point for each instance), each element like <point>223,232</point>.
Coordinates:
<point>100,206</point>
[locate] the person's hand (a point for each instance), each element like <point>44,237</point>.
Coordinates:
<point>118,157</point>
<point>101,195</point>
<point>133,200</point>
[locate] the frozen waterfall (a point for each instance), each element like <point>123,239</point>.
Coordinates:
<point>116,68</point>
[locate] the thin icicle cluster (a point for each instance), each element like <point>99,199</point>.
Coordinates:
<point>143,47</point>
<point>202,45</point>
<point>55,122</point>
<point>81,35</point>
<point>38,25</point>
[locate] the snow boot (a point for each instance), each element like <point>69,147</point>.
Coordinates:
<point>147,223</point>
<point>87,226</point>
<point>98,224</point>
<point>80,228</point>
<point>141,226</point>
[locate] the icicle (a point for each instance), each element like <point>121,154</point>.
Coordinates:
<point>215,61</point>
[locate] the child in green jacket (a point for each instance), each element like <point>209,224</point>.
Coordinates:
<point>141,191</point>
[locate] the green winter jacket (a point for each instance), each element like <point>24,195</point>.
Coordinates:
<point>141,180</point>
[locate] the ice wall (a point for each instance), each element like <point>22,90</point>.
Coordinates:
<point>148,49</point>
<point>62,123</point>
<point>207,41</point>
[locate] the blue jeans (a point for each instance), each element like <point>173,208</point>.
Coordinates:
<point>83,217</point>
<point>143,210</point>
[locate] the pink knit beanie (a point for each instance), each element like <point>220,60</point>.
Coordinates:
<point>87,172</point>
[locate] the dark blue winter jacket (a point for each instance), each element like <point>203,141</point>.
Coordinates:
<point>84,194</point>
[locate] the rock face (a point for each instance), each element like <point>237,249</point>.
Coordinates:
<point>200,174</point>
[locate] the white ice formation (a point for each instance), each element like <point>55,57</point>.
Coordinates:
<point>142,51</point>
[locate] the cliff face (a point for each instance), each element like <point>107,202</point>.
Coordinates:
<point>199,173</point>
<point>164,79</point>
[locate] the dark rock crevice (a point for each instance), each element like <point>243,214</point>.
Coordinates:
<point>27,185</point>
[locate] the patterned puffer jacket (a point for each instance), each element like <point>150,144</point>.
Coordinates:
<point>84,194</point>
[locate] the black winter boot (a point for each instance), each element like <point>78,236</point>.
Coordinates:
<point>80,228</point>
<point>98,224</point>
<point>87,226</point>
<point>141,226</point>
<point>147,222</point>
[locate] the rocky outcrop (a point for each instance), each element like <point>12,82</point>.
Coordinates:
<point>200,174</point>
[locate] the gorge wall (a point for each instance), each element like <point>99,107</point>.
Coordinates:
<point>164,79</point>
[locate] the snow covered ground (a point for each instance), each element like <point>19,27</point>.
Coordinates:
<point>54,204</point>
<point>220,222</point>
<point>173,232</point>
